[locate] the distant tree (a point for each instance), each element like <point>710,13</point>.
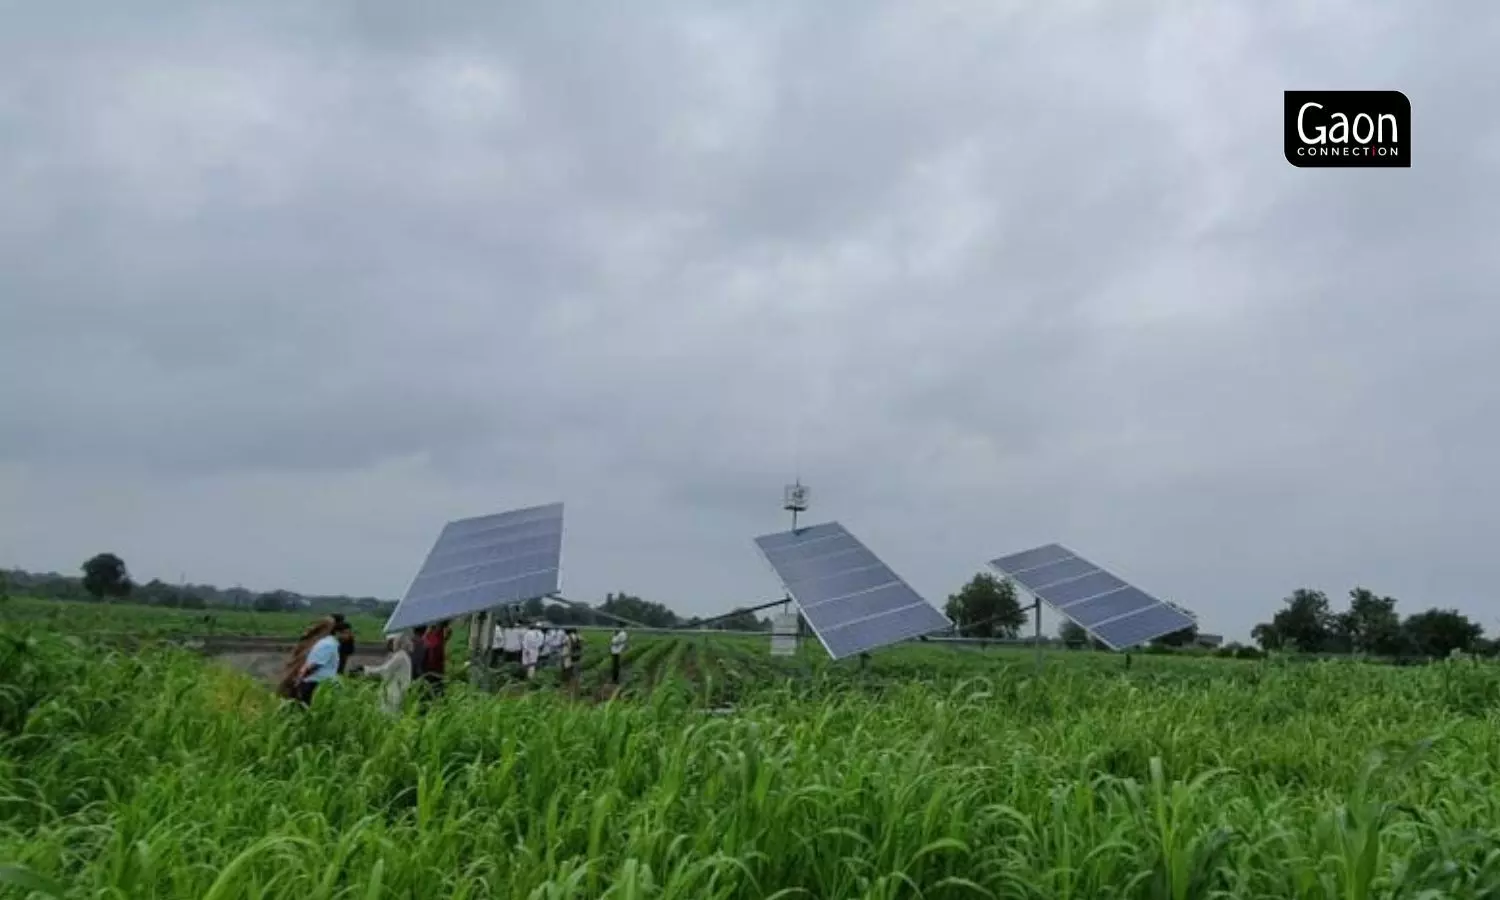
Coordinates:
<point>1181,638</point>
<point>105,575</point>
<point>1438,632</point>
<point>1074,635</point>
<point>646,612</point>
<point>986,607</point>
<point>193,601</point>
<point>275,601</point>
<point>1371,625</point>
<point>1306,622</point>
<point>740,620</point>
<point>4,587</point>
<point>1266,635</point>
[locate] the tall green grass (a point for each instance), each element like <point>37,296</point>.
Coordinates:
<point>163,776</point>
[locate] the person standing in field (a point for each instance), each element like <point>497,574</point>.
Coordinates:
<point>395,673</point>
<point>291,674</point>
<point>616,651</point>
<point>435,652</point>
<point>556,645</point>
<point>322,663</point>
<point>346,643</point>
<point>511,646</point>
<point>572,659</point>
<point>418,652</point>
<point>531,649</point>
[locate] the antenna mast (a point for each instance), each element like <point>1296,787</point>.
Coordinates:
<point>794,500</point>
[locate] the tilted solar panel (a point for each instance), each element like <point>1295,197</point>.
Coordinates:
<point>851,600</point>
<point>486,561</point>
<point>1117,613</point>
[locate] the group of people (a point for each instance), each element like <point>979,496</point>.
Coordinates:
<point>322,654</point>
<point>538,646</point>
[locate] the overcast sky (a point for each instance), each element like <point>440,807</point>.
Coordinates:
<point>285,286</point>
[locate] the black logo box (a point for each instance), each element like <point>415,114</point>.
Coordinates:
<point>1347,129</point>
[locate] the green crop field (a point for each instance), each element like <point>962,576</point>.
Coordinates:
<point>936,772</point>
<point>107,620</point>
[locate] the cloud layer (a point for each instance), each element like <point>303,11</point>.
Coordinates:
<point>284,287</point>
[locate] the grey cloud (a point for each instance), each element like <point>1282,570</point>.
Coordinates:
<point>987,277</point>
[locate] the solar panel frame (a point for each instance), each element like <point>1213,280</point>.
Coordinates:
<point>1116,612</point>
<point>821,593</point>
<point>481,562</point>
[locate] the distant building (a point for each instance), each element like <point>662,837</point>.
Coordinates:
<point>1210,640</point>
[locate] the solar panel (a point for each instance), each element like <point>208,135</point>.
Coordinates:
<point>1117,613</point>
<point>851,600</point>
<point>486,561</point>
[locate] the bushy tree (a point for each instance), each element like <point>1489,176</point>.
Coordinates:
<point>1074,635</point>
<point>105,575</point>
<point>1438,632</point>
<point>275,601</point>
<point>1181,638</point>
<point>1266,635</point>
<point>646,612</point>
<point>986,607</point>
<point>1305,624</point>
<point>1371,625</point>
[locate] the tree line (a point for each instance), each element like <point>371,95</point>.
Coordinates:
<point>1307,623</point>
<point>106,577</point>
<point>986,607</point>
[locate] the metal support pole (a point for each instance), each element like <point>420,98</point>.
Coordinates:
<point>740,611</point>
<point>1038,637</point>
<point>578,604</point>
<point>476,628</point>
<point>486,642</point>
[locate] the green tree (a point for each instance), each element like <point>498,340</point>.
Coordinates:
<point>652,615</point>
<point>1074,635</point>
<point>275,601</point>
<point>1438,632</point>
<point>1306,622</point>
<point>986,607</point>
<point>1371,625</point>
<point>1266,635</point>
<point>105,575</point>
<point>1183,638</point>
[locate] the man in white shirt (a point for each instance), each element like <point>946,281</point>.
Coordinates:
<point>555,644</point>
<point>512,646</point>
<point>531,649</point>
<point>616,651</point>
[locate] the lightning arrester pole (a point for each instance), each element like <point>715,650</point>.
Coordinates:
<point>794,500</point>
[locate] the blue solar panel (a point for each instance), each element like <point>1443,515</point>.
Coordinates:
<point>1110,609</point>
<point>484,562</point>
<point>851,600</point>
